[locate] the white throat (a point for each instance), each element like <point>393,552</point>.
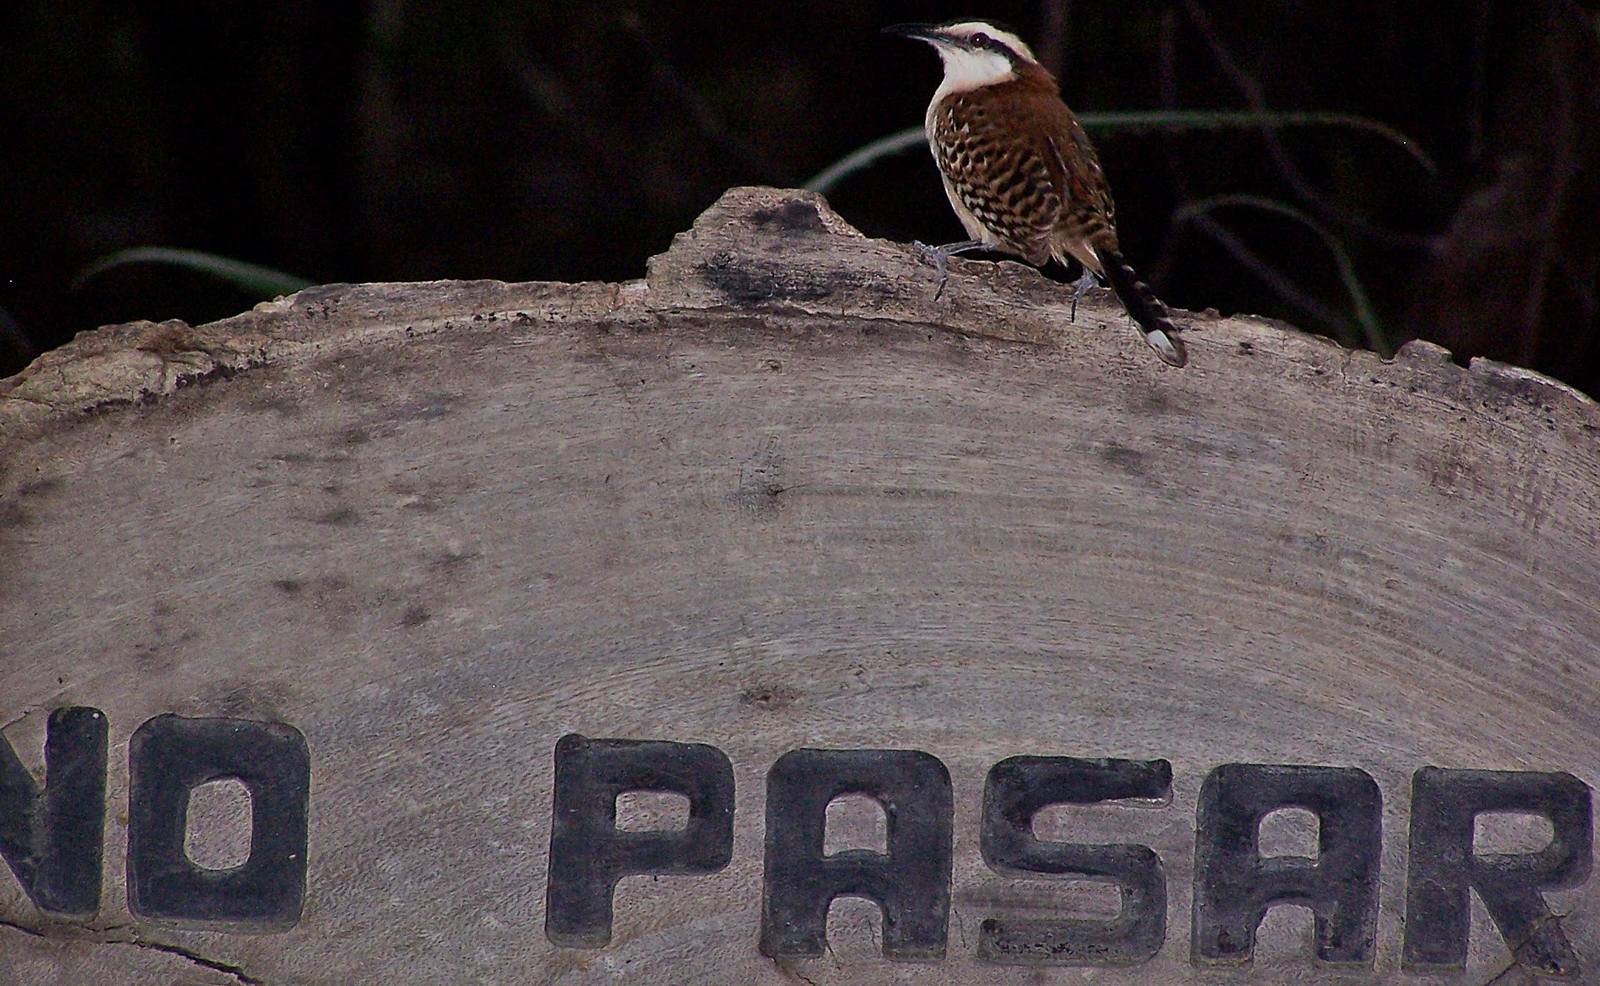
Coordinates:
<point>964,70</point>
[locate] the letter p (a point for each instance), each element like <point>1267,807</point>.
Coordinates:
<point>589,854</point>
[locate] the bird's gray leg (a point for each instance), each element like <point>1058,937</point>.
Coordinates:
<point>940,257</point>
<point>1080,287</point>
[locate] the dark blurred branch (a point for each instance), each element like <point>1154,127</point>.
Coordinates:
<point>1251,89</point>
<point>1480,83</point>
<point>1583,283</point>
<point>1375,338</point>
<point>1167,79</point>
<point>1516,276</point>
<point>699,108</point>
<point>1055,30</point>
<point>1286,289</point>
<point>547,91</point>
<point>1548,249</point>
<point>22,348</point>
<point>543,87</point>
<point>1281,285</point>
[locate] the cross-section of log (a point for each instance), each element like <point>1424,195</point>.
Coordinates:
<point>767,620</point>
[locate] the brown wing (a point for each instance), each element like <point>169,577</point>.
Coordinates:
<point>1087,227</point>
<point>1021,163</point>
<point>1007,184</point>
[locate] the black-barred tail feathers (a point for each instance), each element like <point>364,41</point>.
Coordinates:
<point>1145,307</point>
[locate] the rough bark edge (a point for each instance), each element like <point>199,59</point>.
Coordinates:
<point>756,250</point>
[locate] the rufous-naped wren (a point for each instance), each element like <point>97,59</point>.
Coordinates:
<point>1021,173</point>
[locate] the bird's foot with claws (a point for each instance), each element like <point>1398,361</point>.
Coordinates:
<point>1080,287</point>
<point>939,257</point>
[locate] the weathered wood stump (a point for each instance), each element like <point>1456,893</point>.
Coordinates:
<point>339,573</point>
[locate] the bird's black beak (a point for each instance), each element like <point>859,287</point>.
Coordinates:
<point>921,32</point>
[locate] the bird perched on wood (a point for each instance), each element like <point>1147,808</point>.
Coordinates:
<point>1021,173</point>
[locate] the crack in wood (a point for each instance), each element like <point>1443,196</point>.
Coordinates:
<point>239,973</point>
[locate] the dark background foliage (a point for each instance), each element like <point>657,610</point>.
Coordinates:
<point>398,140</point>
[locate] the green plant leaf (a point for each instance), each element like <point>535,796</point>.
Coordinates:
<point>864,157</point>
<point>1365,316</point>
<point>904,140</point>
<point>1255,120</point>
<point>254,279</point>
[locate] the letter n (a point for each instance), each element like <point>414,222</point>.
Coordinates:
<point>53,838</point>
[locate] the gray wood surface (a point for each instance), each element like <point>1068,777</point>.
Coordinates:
<point>775,496</point>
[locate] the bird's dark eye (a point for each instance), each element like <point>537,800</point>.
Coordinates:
<point>980,40</point>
